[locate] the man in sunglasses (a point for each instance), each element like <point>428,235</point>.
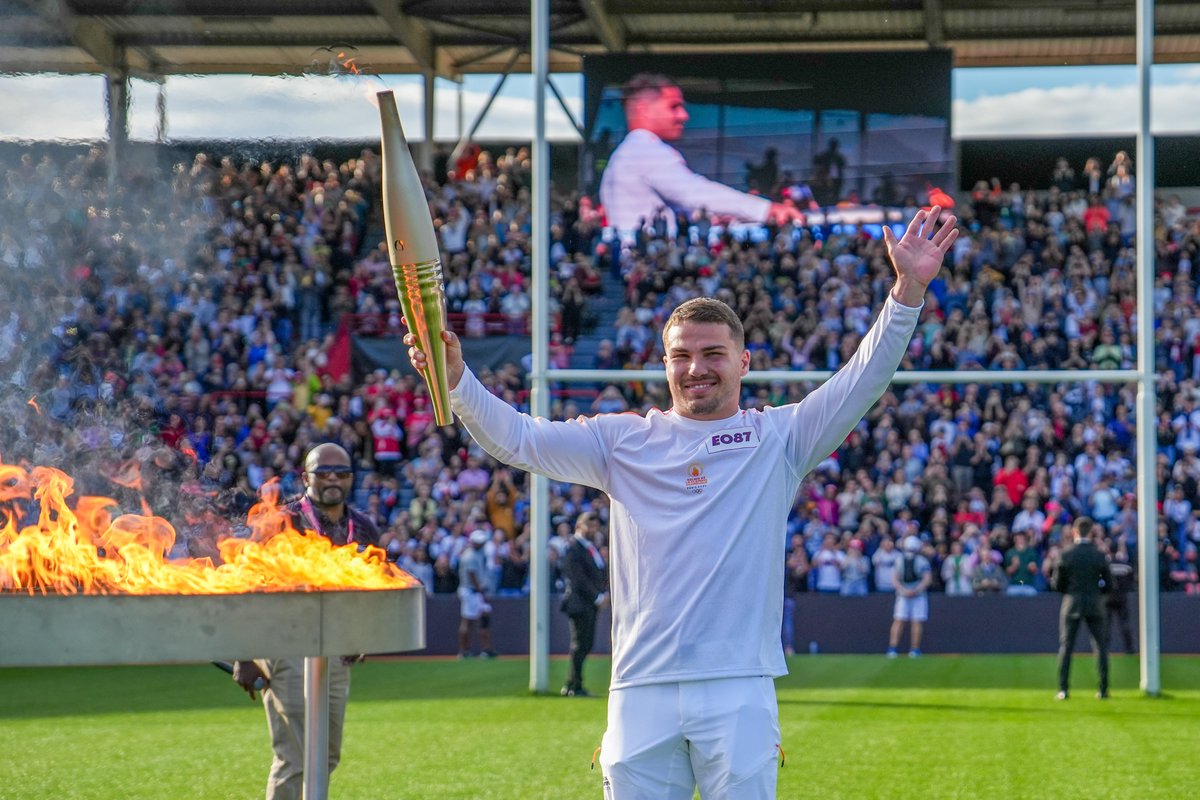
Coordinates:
<point>322,510</point>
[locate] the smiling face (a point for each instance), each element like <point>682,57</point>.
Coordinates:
<point>705,366</point>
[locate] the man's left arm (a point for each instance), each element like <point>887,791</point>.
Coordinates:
<point>821,421</point>
<point>926,578</point>
<point>1106,577</point>
<point>671,178</point>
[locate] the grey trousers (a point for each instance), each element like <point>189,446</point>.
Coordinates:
<point>284,703</point>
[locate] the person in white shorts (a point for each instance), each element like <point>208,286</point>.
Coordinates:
<point>699,501</point>
<point>473,608</point>
<point>912,578</point>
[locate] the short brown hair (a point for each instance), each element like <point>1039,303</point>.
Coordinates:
<point>1083,527</point>
<point>644,83</point>
<point>707,309</point>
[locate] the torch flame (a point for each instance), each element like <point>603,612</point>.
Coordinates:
<point>87,550</point>
<point>33,402</point>
<point>348,63</point>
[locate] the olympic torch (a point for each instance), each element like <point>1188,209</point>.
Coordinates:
<point>413,253</point>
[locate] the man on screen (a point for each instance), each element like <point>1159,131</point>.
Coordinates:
<point>646,178</point>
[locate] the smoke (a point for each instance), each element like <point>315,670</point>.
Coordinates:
<point>87,267</point>
<point>107,274</point>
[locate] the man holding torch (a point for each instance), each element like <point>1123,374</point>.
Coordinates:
<point>700,496</point>
<point>322,509</point>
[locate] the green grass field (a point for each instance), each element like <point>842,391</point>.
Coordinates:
<point>854,727</point>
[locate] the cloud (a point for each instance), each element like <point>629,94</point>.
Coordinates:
<point>1084,109</point>
<point>58,107</point>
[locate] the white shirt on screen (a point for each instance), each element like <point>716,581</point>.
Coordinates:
<point>698,508</point>
<point>646,174</point>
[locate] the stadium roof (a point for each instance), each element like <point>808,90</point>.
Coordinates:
<point>151,38</point>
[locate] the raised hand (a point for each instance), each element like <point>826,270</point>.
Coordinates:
<point>783,213</point>
<point>917,256</point>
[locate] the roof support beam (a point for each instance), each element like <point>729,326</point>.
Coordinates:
<point>85,34</point>
<point>566,109</point>
<point>610,30</point>
<point>935,23</point>
<point>415,36</point>
<point>91,37</point>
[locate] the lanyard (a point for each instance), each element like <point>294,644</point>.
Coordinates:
<point>310,516</point>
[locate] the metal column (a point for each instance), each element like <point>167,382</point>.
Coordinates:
<point>1148,619</point>
<point>425,154</point>
<point>316,728</point>
<point>160,108</point>
<point>116,96</point>
<point>463,138</point>
<point>539,400</point>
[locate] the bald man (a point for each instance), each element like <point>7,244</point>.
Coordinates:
<point>322,510</point>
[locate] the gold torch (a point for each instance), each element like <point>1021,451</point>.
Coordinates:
<point>413,252</point>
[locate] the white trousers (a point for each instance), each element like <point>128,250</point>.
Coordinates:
<point>666,739</point>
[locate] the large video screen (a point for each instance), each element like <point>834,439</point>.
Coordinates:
<point>844,135</point>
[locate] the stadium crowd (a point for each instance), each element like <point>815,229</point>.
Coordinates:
<point>177,339</point>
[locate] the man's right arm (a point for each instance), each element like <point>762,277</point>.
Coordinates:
<point>565,451</point>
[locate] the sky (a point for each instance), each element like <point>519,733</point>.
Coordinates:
<point>996,102</point>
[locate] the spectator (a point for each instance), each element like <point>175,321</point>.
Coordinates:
<point>912,599</point>
<point>855,570</point>
<point>827,566</point>
<point>989,577</point>
<point>885,560</point>
<point>958,571</point>
<point>795,581</point>
<point>474,609</point>
<point>1013,479</point>
<point>1021,565</point>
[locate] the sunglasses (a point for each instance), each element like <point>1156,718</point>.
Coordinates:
<point>332,469</point>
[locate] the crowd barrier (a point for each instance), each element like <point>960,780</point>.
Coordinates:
<point>984,624</point>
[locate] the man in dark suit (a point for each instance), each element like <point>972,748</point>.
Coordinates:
<point>586,577</point>
<point>1083,576</point>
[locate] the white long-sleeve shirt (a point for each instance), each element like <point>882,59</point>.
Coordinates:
<point>645,174</point>
<point>699,508</point>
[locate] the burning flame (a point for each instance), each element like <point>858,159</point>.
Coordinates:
<point>87,550</point>
<point>33,402</point>
<point>340,60</point>
<point>348,64</point>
